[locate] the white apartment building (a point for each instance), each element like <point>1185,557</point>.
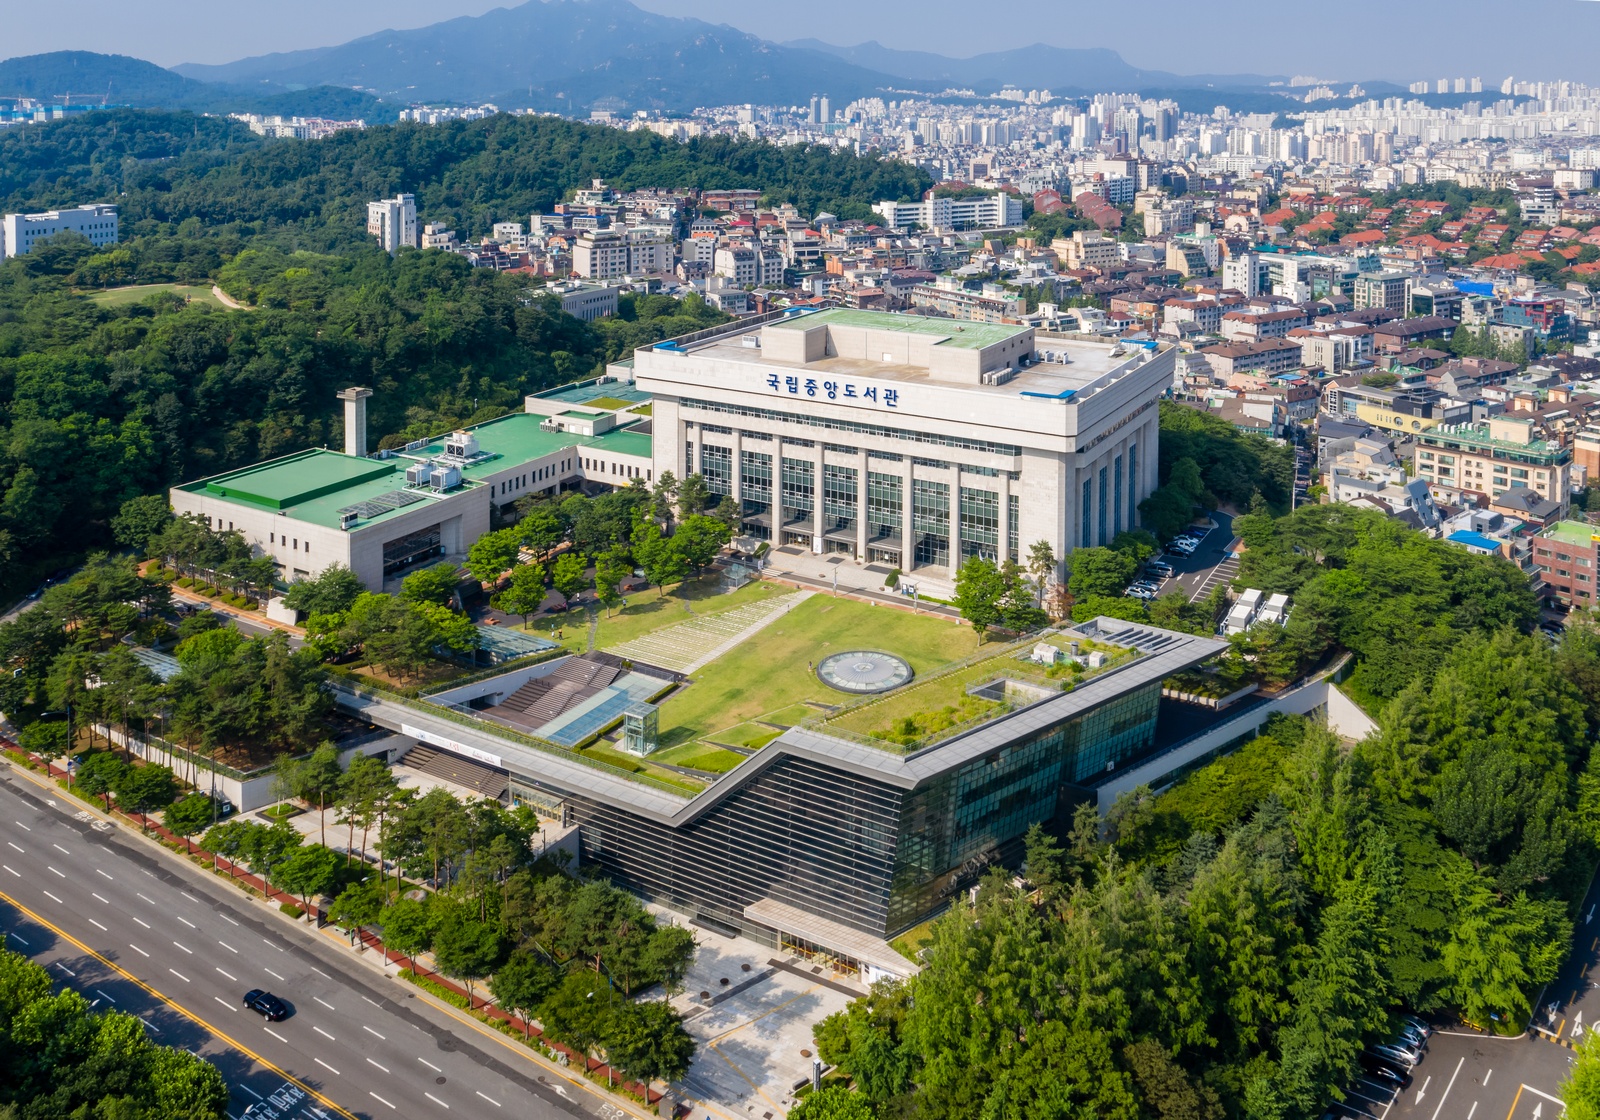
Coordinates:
<point>393,222</point>
<point>985,212</point>
<point>909,441</point>
<point>1088,249</point>
<point>603,254</point>
<point>19,232</point>
<point>748,266</point>
<point>586,301</point>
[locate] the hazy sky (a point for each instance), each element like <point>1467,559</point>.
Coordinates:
<point>1354,40</point>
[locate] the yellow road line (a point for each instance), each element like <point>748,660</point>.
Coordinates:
<point>185,1012</point>
<point>1514,1101</point>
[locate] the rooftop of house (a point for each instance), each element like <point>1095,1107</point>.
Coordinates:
<point>1579,533</point>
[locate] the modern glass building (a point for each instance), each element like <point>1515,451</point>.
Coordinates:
<point>833,841</point>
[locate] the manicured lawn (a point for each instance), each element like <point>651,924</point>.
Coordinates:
<point>700,756</point>
<point>913,940</point>
<point>650,610</point>
<point>634,765</point>
<point>770,674</point>
<point>752,735</point>
<point>121,297</point>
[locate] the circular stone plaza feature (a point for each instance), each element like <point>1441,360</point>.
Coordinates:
<point>863,671</point>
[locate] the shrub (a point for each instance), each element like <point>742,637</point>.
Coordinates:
<point>292,910</point>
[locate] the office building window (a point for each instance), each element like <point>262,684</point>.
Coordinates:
<point>1084,505</point>
<point>799,490</point>
<point>980,524</point>
<point>1116,500</point>
<point>930,521</point>
<point>1104,497</point>
<point>755,482</point>
<point>689,465</point>
<point>838,499</point>
<point>884,505</point>
<point>1013,528</point>
<point>716,465</point>
<point>1133,485</point>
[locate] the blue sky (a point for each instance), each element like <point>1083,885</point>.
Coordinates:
<point>1357,39</point>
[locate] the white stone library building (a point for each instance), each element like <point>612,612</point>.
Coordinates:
<point>911,442</point>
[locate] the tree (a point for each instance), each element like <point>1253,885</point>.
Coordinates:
<point>364,793</point>
<point>331,591</point>
<point>142,789</point>
<point>1100,571</point>
<point>1018,611</point>
<point>436,585</point>
<point>543,528</point>
<point>664,497</point>
<point>45,738</point>
<point>979,590</point>
<point>227,840</point>
<point>729,513</point>
<point>307,870</point>
<point>492,554</point>
<point>408,926</point>
<point>833,1102</point>
<point>570,575</point>
<point>524,594</point>
<point>611,569</point>
<point>576,1012</point>
<point>662,564</point>
<point>140,520</point>
<point>191,815</point>
<point>317,779</point>
<point>467,948</point>
<point>523,982</point>
<point>1581,1090</point>
<point>1041,567</point>
<point>1043,860</point>
<point>698,539</point>
<point>693,496</point>
<point>359,905</point>
<point>99,774</point>
<point>646,1041</point>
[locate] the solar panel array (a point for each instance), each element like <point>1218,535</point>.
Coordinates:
<point>383,503</point>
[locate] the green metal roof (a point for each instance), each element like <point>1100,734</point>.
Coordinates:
<point>960,334</point>
<point>517,438</point>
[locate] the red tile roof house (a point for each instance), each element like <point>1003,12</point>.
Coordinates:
<point>1366,237</point>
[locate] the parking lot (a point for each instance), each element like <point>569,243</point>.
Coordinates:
<point>1210,564</point>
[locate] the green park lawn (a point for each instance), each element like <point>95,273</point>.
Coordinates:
<point>651,610</point>
<point>121,297</point>
<point>700,756</point>
<point>770,675</point>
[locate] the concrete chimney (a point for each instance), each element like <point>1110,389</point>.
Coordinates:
<point>355,419</point>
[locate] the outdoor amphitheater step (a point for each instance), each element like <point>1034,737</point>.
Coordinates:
<point>686,646</point>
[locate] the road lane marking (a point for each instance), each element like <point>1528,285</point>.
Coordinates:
<point>228,947</point>
<point>325,1003</point>
<point>146,925</point>
<point>435,1100</point>
<point>18,936</point>
<point>151,1025</point>
<point>97,871</point>
<point>184,947</point>
<point>98,926</point>
<point>1459,1063</point>
<point>382,1067</point>
<point>147,898</point>
<point>179,975</point>
<point>369,1030</point>
<point>227,919</point>
<point>48,895</point>
<point>138,950</point>
<point>275,1034</point>
<point>430,1065</point>
<point>491,1100</point>
<point>9,844</point>
<point>375,1097</point>
<point>65,969</point>
<point>251,1091</point>
<point>264,941</point>
<point>53,871</point>
<point>324,1034</point>
<point>9,869</point>
<point>186,921</point>
<point>64,852</point>
<point>107,901</point>
<point>325,1065</point>
<point>230,976</point>
<point>1546,1096</point>
<point>1486,1077</point>
<point>320,973</point>
<point>379,1006</point>
<point>22,826</point>
<point>104,996</point>
<point>1471,1110</point>
<point>275,975</point>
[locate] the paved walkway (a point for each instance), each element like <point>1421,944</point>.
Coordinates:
<point>688,646</point>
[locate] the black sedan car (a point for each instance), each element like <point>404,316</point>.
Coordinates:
<point>267,1005</point>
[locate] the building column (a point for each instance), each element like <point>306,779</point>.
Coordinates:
<point>861,505</point>
<point>816,499</point>
<point>776,512</point>
<point>734,480</point>
<point>1003,538</point>
<point>955,520</point>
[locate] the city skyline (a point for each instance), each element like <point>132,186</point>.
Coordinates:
<point>1232,39</point>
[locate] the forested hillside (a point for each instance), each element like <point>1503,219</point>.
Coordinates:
<point>166,168</point>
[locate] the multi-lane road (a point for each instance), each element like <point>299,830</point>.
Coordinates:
<point>132,929</point>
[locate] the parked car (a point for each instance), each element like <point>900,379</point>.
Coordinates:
<point>1160,568</point>
<point>1421,1026</point>
<point>1411,1038</point>
<point>1182,548</point>
<point>1384,1072</point>
<point>267,1005</point>
<point>1396,1052</point>
<point>1140,593</point>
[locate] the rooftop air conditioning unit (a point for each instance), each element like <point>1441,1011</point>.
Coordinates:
<point>998,376</point>
<point>417,473</point>
<point>347,519</point>
<point>461,445</point>
<point>445,478</point>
